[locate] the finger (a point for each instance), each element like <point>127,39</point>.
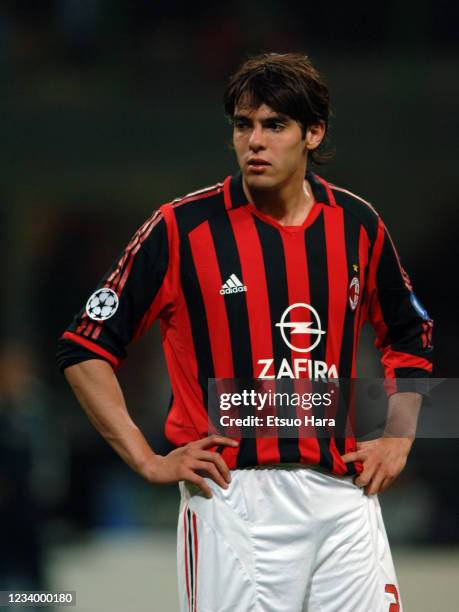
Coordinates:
<point>348,457</point>
<point>374,486</point>
<point>200,483</point>
<point>219,462</point>
<point>386,484</point>
<point>210,470</point>
<point>216,441</point>
<point>364,478</point>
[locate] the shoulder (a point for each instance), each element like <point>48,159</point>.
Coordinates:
<point>193,208</point>
<point>358,207</point>
<point>203,194</point>
<point>175,219</point>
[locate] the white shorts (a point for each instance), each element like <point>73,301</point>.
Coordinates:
<point>284,540</point>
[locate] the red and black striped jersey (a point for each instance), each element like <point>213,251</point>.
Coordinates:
<point>223,278</point>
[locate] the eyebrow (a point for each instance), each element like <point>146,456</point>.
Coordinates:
<point>276,117</point>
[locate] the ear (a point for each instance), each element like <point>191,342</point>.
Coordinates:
<point>314,135</point>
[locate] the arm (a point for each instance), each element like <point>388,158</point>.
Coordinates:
<point>99,393</point>
<point>142,291</point>
<point>403,337</point>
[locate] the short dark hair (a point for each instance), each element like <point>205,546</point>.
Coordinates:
<point>289,84</point>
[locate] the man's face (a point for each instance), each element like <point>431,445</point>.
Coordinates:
<point>270,147</point>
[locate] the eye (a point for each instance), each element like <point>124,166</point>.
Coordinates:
<point>276,126</point>
<point>239,124</point>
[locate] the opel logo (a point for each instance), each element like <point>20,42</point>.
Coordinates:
<point>311,328</point>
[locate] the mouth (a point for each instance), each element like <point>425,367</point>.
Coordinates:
<point>257,164</point>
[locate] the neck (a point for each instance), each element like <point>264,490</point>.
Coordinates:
<point>288,204</point>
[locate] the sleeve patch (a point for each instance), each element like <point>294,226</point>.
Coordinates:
<point>419,308</point>
<point>102,304</point>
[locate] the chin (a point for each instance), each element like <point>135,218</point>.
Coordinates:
<point>259,181</point>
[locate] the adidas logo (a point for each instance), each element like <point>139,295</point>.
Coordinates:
<point>232,285</point>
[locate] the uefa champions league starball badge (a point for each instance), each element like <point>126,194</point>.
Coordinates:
<point>102,304</point>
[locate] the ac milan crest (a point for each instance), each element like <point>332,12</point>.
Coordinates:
<point>354,292</point>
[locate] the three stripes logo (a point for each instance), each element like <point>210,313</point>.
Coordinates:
<point>232,285</point>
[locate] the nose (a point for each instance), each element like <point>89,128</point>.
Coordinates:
<point>256,141</point>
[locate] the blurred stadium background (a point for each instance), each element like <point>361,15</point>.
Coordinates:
<point>109,109</point>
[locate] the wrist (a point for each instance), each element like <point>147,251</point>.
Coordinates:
<point>405,442</point>
<point>150,466</point>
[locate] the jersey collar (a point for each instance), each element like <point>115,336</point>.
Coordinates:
<point>236,196</point>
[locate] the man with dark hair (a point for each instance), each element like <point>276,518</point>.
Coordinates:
<point>267,275</point>
<point>288,84</point>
